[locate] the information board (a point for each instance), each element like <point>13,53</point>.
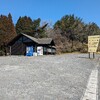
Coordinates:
<point>93,43</point>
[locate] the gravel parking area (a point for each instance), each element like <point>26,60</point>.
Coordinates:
<point>58,77</point>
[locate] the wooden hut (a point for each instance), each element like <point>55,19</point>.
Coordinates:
<point>19,45</point>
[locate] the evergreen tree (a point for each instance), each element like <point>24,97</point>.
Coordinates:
<point>24,25</point>
<point>71,26</point>
<point>27,26</point>
<point>36,24</point>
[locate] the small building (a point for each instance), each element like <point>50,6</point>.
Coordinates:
<point>24,44</point>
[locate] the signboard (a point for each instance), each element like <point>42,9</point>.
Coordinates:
<point>39,50</point>
<point>93,42</point>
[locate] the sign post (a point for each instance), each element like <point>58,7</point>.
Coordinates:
<point>89,54</point>
<point>93,55</point>
<point>93,43</point>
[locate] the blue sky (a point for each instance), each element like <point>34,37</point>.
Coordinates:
<point>52,10</point>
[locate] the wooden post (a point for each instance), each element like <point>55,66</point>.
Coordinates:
<point>10,50</point>
<point>43,50</point>
<point>89,55</point>
<point>35,48</point>
<point>93,55</point>
<point>52,50</point>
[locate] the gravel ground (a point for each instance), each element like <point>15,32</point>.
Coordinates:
<point>59,77</point>
<point>98,61</point>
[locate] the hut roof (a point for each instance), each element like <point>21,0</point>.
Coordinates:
<point>45,40</point>
<point>38,41</point>
<point>30,37</point>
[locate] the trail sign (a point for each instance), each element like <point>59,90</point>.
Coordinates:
<point>93,43</point>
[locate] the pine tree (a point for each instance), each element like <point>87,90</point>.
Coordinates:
<point>24,25</point>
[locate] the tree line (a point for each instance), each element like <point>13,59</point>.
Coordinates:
<point>76,31</point>
<point>69,33</point>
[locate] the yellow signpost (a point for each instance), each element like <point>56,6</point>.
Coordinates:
<point>93,43</point>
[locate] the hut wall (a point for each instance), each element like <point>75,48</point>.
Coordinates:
<point>18,49</point>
